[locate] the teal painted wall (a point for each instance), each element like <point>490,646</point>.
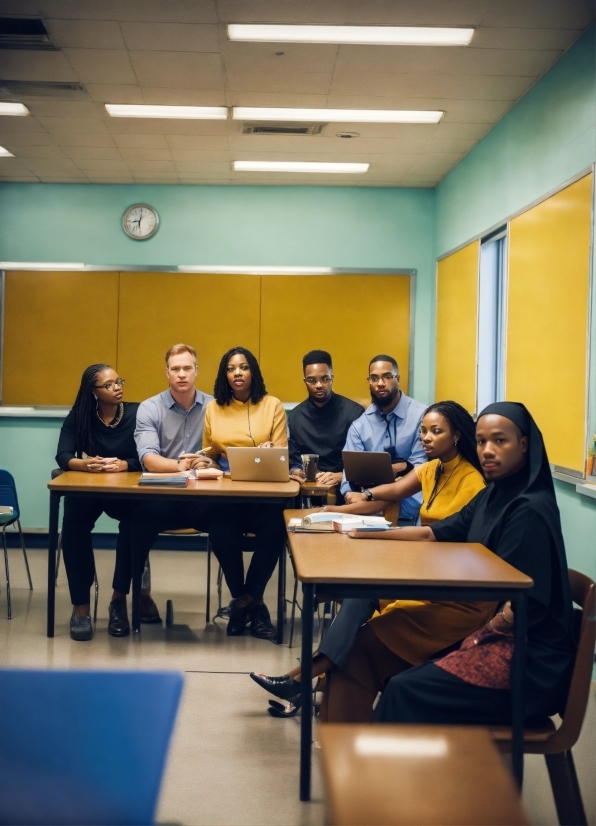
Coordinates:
<point>287,226</point>
<point>547,138</point>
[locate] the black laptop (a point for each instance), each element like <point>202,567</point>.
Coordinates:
<point>368,469</point>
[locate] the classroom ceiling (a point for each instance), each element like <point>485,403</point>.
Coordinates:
<point>177,52</point>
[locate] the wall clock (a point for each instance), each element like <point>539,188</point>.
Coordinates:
<point>140,222</point>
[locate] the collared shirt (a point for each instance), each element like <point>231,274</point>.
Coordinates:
<point>398,433</point>
<point>322,430</point>
<point>165,428</point>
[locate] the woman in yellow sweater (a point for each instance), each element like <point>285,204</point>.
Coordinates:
<point>406,631</point>
<point>243,415</point>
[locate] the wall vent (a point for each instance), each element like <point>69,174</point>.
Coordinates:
<point>282,128</point>
<point>24,33</point>
<point>42,89</point>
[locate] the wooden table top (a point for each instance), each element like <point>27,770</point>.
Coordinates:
<point>334,558</point>
<point>73,481</point>
<point>316,489</point>
<point>381,776</point>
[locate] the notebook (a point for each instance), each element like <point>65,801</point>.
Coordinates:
<point>259,464</point>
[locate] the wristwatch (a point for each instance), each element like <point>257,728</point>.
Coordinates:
<point>368,494</point>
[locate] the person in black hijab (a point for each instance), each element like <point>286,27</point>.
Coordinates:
<point>516,517</point>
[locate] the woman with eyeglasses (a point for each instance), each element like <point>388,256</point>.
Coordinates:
<point>242,414</point>
<point>97,437</point>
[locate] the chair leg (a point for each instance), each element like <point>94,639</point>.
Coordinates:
<point>146,581</point>
<point>58,555</point>
<point>566,791</point>
<point>8,602</point>
<point>96,584</point>
<point>293,615</point>
<point>219,588</point>
<point>22,538</point>
<point>208,609</point>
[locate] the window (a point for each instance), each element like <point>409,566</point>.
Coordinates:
<point>491,320</point>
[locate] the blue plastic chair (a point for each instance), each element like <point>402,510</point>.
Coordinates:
<point>84,747</point>
<point>9,499</point>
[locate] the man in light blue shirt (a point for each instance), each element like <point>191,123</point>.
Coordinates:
<point>392,424</point>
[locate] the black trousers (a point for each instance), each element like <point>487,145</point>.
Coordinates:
<point>429,694</point>
<point>80,516</point>
<point>151,518</point>
<point>229,524</point>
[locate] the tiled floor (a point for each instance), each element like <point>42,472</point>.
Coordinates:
<point>230,762</point>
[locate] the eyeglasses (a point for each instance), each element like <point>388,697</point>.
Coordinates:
<point>385,377</point>
<point>323,380</point>
<point>109,385</point>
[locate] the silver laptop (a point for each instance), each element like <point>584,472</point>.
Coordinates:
<point>259,464</point>
<point>367,469</point>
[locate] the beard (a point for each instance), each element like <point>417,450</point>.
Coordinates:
<point>386,401</point>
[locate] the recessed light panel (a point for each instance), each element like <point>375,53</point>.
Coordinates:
<point>4,153</point>
<point>370,35</point>
<point>120,110</point>
<point>39,265</point>
<point>300,166</point>
<point>18,109</point>
<point>338,115</point>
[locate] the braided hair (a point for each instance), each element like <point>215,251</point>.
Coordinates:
<point>222,390</point>
<point>460,420</point>
<point>84,407</point>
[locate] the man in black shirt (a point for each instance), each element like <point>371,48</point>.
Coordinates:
<point>321,422</point>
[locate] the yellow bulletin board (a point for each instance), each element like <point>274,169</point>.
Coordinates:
<point>353,317</point>
<point>157,309</point>
<point>457,324</point>
<point>547,318</point>
<point>55,325</point>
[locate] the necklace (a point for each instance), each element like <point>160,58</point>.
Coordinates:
<point>118,418</point>
<point>436,490</point>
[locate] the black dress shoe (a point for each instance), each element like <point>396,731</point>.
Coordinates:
<point>238,619</point>
<point>286,688</point>
<point>149,610</point>
<point>278,710</point>
<point>118,625</point>
<point>260,623</point>
<point>81,629</point>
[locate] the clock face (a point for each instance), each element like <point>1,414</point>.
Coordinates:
<point>140,222</point>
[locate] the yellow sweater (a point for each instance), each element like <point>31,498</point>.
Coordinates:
<point>459,482</point>
<point>244,424</point>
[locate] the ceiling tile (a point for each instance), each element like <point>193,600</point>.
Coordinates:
<point>39,152</point>
<point>173,11</point>
<point>406,13</point>
<point>204,143</point>
<point>186,155</point>
<point>26,178</point>
<point>64,179</point>
<point>266,11</point>
<point>303,83</point>
<point>95,125</point>
<point>457,145</point>
<point>140,141</point>
<point>115,93</point>
<point>183,97</point>
<point>475,111</point>
<point>266,57</point>
<point>178,69</point>
<point>11,124</point>
<point>170,37</point>
<point>150,167</point>
<point>146,154</point>
<point>540,14</point>
<point>43,166</point>
<point>22,64</point>
<point>462,130</point>
<point>101,65</point>
<point>85,34</point>
<point>396,131</point>
<point>29,8</point>
<point>99,153</point>
<point>141,126</point>
<point>277,99</point>
<point>65,109</point>
<point>159,178</point>
<point>84,139</point>
<point>553,39</point>
<point>98,165</point>
<point>9,139</point>
<point>98,177</point>
<point>221,169</point>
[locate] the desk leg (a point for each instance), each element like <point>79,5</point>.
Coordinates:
<point>520,607</point>
<point>281,596</point>
<point>52,548</point>
<point>306,686</point>
<point>137,581</point>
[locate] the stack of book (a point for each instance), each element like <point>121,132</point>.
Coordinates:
<point>327,521</point>
<point>179,479</point>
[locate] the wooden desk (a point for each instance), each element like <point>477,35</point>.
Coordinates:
<point>406,775</point>
<point>126,485</point>
<point>328,492</point>
<point>406,570</point>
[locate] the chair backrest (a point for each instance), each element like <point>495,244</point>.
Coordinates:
<point>8,493</point>
<point>85,747</point>
<point>583,593</point>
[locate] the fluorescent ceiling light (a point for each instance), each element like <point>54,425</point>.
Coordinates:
<point>387,746</point>
<point>338,115</point>
<point>13,109</point>
<point>379,35</point>
<point>259,270</point>
<point>38,265</point>
<point>4,153</point>
<point>299,166</point>
<point>121,110</point>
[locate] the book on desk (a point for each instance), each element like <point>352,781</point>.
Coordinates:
<point>180,478</point>
<point>329,521</point>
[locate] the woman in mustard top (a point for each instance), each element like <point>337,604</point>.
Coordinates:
<point>243,415</point>
<point>402,631</point>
